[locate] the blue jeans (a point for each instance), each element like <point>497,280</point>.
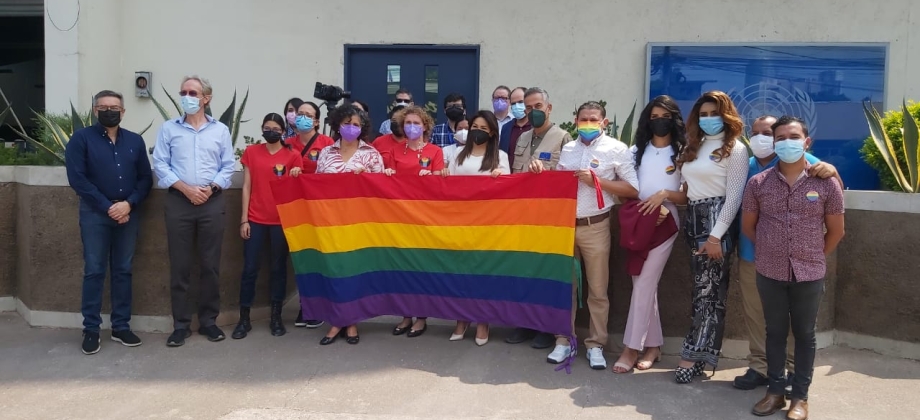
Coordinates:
<point>106,243</point>
<point>252,251</point>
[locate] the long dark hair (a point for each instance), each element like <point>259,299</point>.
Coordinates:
<point>277,119</point>
<point>732,123</point>
<point>491,160</point>
<point>644,130</point>
<point>294,102</point>
<point>344,113</point>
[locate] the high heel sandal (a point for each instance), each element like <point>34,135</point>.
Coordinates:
<point>626,367</point>
<point>684,375</point>
<point>647,364</point>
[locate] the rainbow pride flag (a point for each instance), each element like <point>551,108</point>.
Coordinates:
<point>462,248</point>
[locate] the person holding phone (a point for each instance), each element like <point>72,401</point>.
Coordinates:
<point>714,164</point>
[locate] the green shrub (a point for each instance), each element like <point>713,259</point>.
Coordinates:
<point>11,156</point>
<point>893,122</point>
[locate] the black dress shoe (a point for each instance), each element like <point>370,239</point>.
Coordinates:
<point>543,341</point>
<point>352,340</point>
<point>213,333</point>
<point>750,380</point>
<point>416,333</point>
<point>328,340</point>
<point>520,335</point>
<point>397,330</point>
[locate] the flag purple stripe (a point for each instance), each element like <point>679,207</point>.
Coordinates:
<point>539,317</point>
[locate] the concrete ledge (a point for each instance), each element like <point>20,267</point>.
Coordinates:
<point>879,345</point>
<point>56,176</point>
<point>887,201</point>
<point>7,304</point>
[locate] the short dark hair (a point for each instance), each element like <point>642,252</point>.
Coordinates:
<point>108,94</point>
<point>363,104</point>
<point>502,87</point>
<point>592,105</point>
<point>764,117</point>
<point>454,97</point>
<point>787,120</point>
<point>345,112</point>
<point>403,91</point>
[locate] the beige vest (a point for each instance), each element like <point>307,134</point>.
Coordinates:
<point>550,146</point>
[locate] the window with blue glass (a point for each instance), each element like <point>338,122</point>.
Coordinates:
<point>823,84</point>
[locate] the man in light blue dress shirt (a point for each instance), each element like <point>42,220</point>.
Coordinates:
<point>194,159</point>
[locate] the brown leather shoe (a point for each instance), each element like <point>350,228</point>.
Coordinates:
<point>798,410</point>
<point>769,405</point>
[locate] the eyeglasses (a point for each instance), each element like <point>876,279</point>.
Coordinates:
<point>274,130</point>
<point>192,93</point>
<point>103,108</point>
<point>301,114</point>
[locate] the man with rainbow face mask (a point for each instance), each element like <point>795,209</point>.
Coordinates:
<point>605,169</point>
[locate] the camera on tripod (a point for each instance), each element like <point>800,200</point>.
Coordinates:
<point>330,93</point>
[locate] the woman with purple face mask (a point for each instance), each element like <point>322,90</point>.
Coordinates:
<point>350,153</point>
<point>290,114</point>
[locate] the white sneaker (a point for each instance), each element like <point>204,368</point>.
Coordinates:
<point>596,358</point>
<point>559,354</point>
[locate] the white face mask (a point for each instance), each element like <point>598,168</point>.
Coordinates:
<point>762,146</point>
<point>460,136</point>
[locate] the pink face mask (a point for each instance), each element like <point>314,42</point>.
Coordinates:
<point>291,116</point>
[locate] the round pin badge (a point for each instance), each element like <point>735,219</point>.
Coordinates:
<point>314,155</point>
<point>812,196</point>
<point>714,156</point>
<point>670,170</point>
<point>595,163</point>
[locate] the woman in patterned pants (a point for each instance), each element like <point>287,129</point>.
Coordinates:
<point>714,164</point>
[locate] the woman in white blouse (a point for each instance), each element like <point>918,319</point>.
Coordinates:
<point>350,153</point>
<point>660,135</point>
<point>715,166</point>
<point>479,156</point>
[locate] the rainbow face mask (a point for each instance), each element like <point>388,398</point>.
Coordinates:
<point>589,130</point>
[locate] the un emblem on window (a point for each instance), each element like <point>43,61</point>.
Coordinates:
<point>770,98</point>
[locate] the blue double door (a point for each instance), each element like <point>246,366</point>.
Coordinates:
<point>373,74</point>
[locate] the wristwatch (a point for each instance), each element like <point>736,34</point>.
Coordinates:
<point>214,189</point>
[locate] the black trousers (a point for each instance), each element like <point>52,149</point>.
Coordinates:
<point>792,303</point>
<point>184,222</point>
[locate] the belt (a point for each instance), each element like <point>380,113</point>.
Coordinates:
<point>588,221</point>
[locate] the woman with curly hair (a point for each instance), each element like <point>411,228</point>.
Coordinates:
<point>714,165</point>
<point>415,156</point>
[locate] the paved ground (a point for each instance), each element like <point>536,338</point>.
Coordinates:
<point>43,375</point>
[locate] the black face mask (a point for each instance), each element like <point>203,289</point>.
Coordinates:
<point>454,113</point>
<point>477,136</point>
<point>396,129</point>
<point>661,126</point>
<point>109,118</point>
<point>271,137</point>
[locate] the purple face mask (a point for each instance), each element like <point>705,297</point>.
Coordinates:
<point>499,105</point>
<point>350,132</point>
<point>413,131</point>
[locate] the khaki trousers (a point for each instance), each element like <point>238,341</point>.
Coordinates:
<point>754,321</point>
<point>592,245</point>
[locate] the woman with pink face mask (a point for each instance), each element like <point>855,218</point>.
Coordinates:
<point>290,114</point>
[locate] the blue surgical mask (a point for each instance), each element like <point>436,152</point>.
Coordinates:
<point>191,105</point>
<point>711,125</point>
<point>790,151</point>
<point>517,110</point>
<point>303,123</point>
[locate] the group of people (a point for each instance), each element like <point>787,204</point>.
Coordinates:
<point>782,199</point>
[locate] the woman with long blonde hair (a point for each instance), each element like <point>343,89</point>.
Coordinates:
<point>714,164</point>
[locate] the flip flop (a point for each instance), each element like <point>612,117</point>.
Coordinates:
<point>647,364</point>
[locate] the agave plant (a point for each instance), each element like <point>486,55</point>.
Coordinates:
<point>625,134</point>
<point>231,117</point>
<point>58,134</point>
<point>891,152</point>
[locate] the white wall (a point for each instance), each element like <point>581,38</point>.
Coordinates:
<point>576,49</point>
